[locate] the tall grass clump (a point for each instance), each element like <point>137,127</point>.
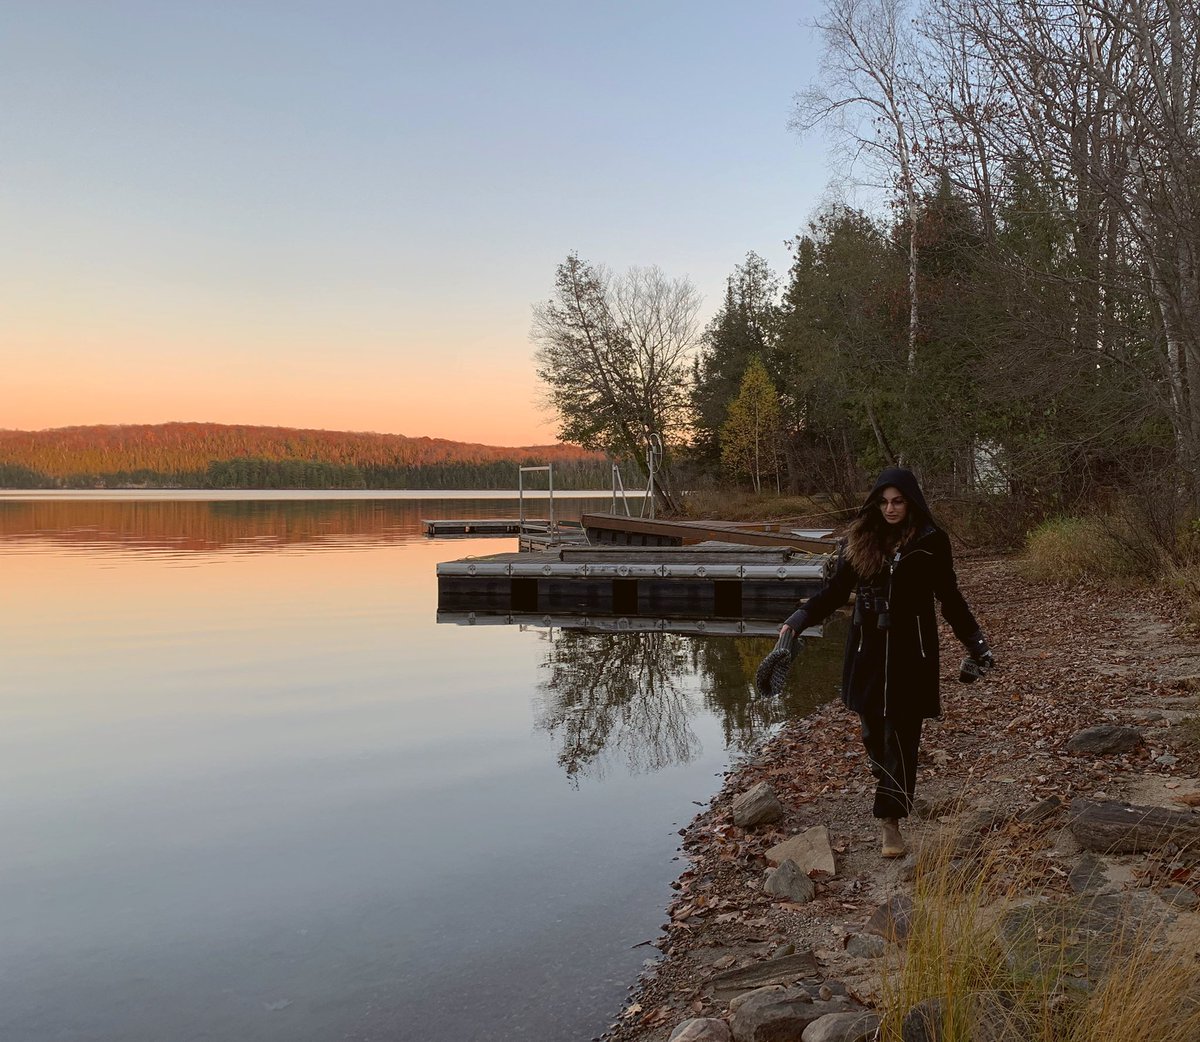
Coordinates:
<point>1185,581</point>
<point>950,955</point>
<point>1147,996</point>
<point>988,957</point>
<point>1074,549</point>
<point>1189,738</point>
<point>1183,573</point>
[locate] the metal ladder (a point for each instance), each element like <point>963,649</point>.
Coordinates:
<point>654,453</point>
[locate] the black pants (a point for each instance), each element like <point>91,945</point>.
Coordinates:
<point>892,748</point>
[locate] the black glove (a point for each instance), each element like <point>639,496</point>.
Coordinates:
<point>772,672</point>
<point>979,662</point>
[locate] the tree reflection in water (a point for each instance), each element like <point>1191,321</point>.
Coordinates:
<point>726,671</point>
<point>609,694</point>
<point>632,695</point>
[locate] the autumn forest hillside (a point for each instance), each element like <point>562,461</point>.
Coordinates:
<point>210,455</point>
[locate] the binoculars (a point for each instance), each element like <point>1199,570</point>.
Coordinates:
<point>872,600</point>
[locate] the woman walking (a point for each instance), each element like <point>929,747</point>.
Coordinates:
<point>896,561</point>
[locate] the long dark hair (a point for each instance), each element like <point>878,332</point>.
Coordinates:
<point>872,540</point>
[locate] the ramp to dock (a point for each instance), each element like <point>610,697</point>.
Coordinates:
<point>618,530</point>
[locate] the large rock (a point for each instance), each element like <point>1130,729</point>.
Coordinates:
<point>892,920</point>
<point>859,1026</point>
<point>701,1029</point>
<point>1090,873</point>
<point>989,1017</point>
<point>743,997</point>
<point>790,883</point>
<point>1181,897</point>
<point>865,945</point>
<point>1121,828</point>
<point>1041,811</point>
<point>923,1023</point>
<point>782,1016</point>
<point>785,970</point>
<point>810,850</point>
<point>1079,936</point>
<point>1106,738</point>
<point>756,806</point>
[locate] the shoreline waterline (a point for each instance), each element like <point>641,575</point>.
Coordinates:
<point>293,494</point>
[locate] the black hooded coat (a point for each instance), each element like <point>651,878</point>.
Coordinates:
<point>895,668</point>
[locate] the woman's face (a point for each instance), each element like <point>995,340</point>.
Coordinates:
<point>894,505</point>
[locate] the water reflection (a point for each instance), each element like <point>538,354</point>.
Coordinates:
<point>250,795</point>
<point>605,695</point>
<point>242,526</point>
<point>631,696</point>
<point>726,669</point>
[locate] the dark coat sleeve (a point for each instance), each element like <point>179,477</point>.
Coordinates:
<point>828,599</point>
<point>945,587</point>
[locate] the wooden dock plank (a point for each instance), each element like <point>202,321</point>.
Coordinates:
<point>475,526</point>
<point>618,529</point>
<point>697,553</point>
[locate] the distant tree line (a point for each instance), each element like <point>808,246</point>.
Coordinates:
<point>315,474</point>
<point>1024,317</point>
<point>497,474</point>
<point>206,455</point>
<point>189,448</point>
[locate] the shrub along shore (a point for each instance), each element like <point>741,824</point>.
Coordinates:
<point>1031,905</point>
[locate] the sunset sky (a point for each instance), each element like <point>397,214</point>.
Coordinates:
<point>339,215</point>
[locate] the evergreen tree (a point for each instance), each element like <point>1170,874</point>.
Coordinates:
<point>743,328</point>
<point>841,351</point>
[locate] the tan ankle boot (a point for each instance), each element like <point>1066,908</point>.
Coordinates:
<point>893,842</point>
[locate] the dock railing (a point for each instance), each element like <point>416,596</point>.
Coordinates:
<point>548,469</point>
<point>548,533</point>
<point>618,489</point>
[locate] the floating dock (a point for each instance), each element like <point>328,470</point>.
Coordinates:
<point>532,534</point>
<point>707,580</point>
<point>478,526</point>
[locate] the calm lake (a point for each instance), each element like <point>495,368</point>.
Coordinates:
<point>251,790</point>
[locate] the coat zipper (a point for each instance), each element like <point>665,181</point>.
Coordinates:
<point>887,634</point>
<point>920,631</point>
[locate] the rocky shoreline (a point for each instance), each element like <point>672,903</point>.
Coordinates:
<point>1087,715</point>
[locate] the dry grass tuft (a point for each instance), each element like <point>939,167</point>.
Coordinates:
<point>1189,736</point>
<point>1149,995</point>
<point>1184,580</point>
<point>993,959</point>
<point>1074,549</point>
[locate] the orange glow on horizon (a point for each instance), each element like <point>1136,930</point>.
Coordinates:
<point>496,403</point>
